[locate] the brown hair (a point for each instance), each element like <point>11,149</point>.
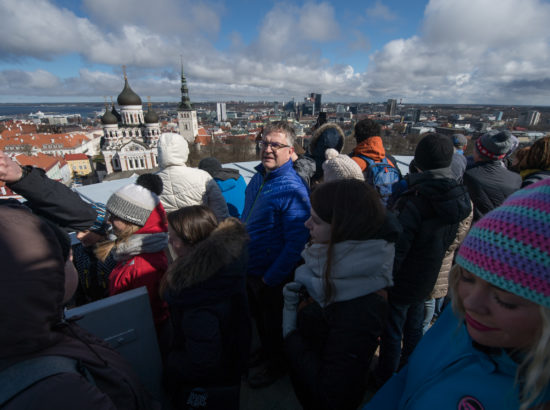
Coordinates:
<point>354,211</point>
<point>193,224</point>
<point>538,156</point>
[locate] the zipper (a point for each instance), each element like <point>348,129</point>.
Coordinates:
<point>255,199</point>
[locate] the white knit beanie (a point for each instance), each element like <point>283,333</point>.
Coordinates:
<point>340,166</point>
<point>132,203</point>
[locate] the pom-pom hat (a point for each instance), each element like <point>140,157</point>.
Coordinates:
<point>133,203</point>
<point>510,246</point>
<point>339,166</point>
<point>495,144</point>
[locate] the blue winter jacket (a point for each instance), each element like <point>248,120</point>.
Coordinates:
<point>276,207</point>
<point>447,371</point>
<point>233,192</point>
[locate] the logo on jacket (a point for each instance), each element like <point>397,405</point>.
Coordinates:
<point>469,403</point>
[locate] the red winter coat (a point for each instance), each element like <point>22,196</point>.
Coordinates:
<point>142,262</point>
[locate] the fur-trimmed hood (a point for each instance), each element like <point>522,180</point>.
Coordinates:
<point>328,135</point>
<point>216,254</point>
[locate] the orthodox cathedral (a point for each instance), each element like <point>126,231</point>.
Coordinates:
<point>130,137</point>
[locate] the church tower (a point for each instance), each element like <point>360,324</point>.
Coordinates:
<point>187,117</point>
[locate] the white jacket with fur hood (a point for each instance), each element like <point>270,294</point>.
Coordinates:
<point>183,185</point>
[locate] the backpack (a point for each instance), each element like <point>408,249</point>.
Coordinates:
<point>382,175</point>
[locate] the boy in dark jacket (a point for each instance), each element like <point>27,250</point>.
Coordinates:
<point>429,212</point>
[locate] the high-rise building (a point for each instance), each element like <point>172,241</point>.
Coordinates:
<point>416,116</point>
<point>316,99</point>
<point>391,106</point>
<point>529,118</point>
<point>221,113</point>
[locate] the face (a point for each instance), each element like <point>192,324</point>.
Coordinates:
<point>273,159</point>
<point>495,317</point>
<point>118,224</point>
<point>318,229</point>
<point>179,248</point>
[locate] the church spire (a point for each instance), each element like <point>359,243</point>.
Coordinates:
<point>185,103</point>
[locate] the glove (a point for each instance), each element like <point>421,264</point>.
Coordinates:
<point>291,297</point>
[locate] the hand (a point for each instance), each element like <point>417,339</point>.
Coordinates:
<point>291,298</point>
<point>10,171</point>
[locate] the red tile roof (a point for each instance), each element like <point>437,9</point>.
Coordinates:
<point>75,157</point>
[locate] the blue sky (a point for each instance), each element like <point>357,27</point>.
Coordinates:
<point>436,51</point>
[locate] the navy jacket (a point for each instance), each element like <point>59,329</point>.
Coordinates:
<point>276,207</point>
<point>209,311</point>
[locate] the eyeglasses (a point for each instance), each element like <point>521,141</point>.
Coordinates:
<point>275,146</point>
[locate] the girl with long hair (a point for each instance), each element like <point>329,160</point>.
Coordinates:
<point>138,221</point>
<point>491,350</point>
<point>348,264</point>
<point>206,292</point>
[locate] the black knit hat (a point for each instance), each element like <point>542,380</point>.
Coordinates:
<point>434,151</point>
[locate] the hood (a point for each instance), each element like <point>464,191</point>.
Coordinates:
<point>449,199</point>
<point>173,150</point>
<point>156,223</point>
<point>222,248</point>
<point>371,147</point>
<point>32,283</point>
<point>326,136</point>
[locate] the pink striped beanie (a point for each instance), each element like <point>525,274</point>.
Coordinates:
<point>510,246</point>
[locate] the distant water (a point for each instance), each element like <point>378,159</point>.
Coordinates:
<point>23,110</point>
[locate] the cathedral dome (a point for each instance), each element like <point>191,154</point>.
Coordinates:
<point>108,118</point>
<point>128,96</point>
<point>151,117</point>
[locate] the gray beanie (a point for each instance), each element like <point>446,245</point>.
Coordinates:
<point>339,166</point>
<point>495,144</point>
<point>132,203</point>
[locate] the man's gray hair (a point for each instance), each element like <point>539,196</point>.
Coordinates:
<point>283,127</point>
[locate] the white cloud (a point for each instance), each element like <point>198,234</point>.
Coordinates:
<point>381,12</point>
<point>466,51</point>
<point>469,51</point>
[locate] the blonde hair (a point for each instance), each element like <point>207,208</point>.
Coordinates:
<point>534,370</point>
<point>103,249</point>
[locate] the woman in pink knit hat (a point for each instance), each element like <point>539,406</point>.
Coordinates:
<point>492,349</point>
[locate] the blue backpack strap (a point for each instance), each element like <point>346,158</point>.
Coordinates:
<point>22,375</point>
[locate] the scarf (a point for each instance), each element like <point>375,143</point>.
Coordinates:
<point>140,243</point>
<point>358,269</point>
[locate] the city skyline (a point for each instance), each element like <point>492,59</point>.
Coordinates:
<point>438,51</point>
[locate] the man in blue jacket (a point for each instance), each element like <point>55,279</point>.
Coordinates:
<point>276,207</point>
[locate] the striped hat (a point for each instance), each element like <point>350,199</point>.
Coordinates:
<point>510,246</point>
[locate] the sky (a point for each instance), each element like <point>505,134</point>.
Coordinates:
<point>416,51</point>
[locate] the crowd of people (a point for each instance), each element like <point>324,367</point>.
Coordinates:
<point>329,257</point>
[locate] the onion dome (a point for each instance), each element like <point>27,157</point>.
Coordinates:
<point>116,114</point>
<point>128,96</point>
<point>108,118</point>
<point>151,117</point>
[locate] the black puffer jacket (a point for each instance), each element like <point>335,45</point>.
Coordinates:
<point>209,311</point>
<point>489,184</point>
<point>429,213</point>
<point>332,350</point>
<point>54,201</point>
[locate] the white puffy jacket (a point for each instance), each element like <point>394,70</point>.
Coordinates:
<point>185,186</point>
